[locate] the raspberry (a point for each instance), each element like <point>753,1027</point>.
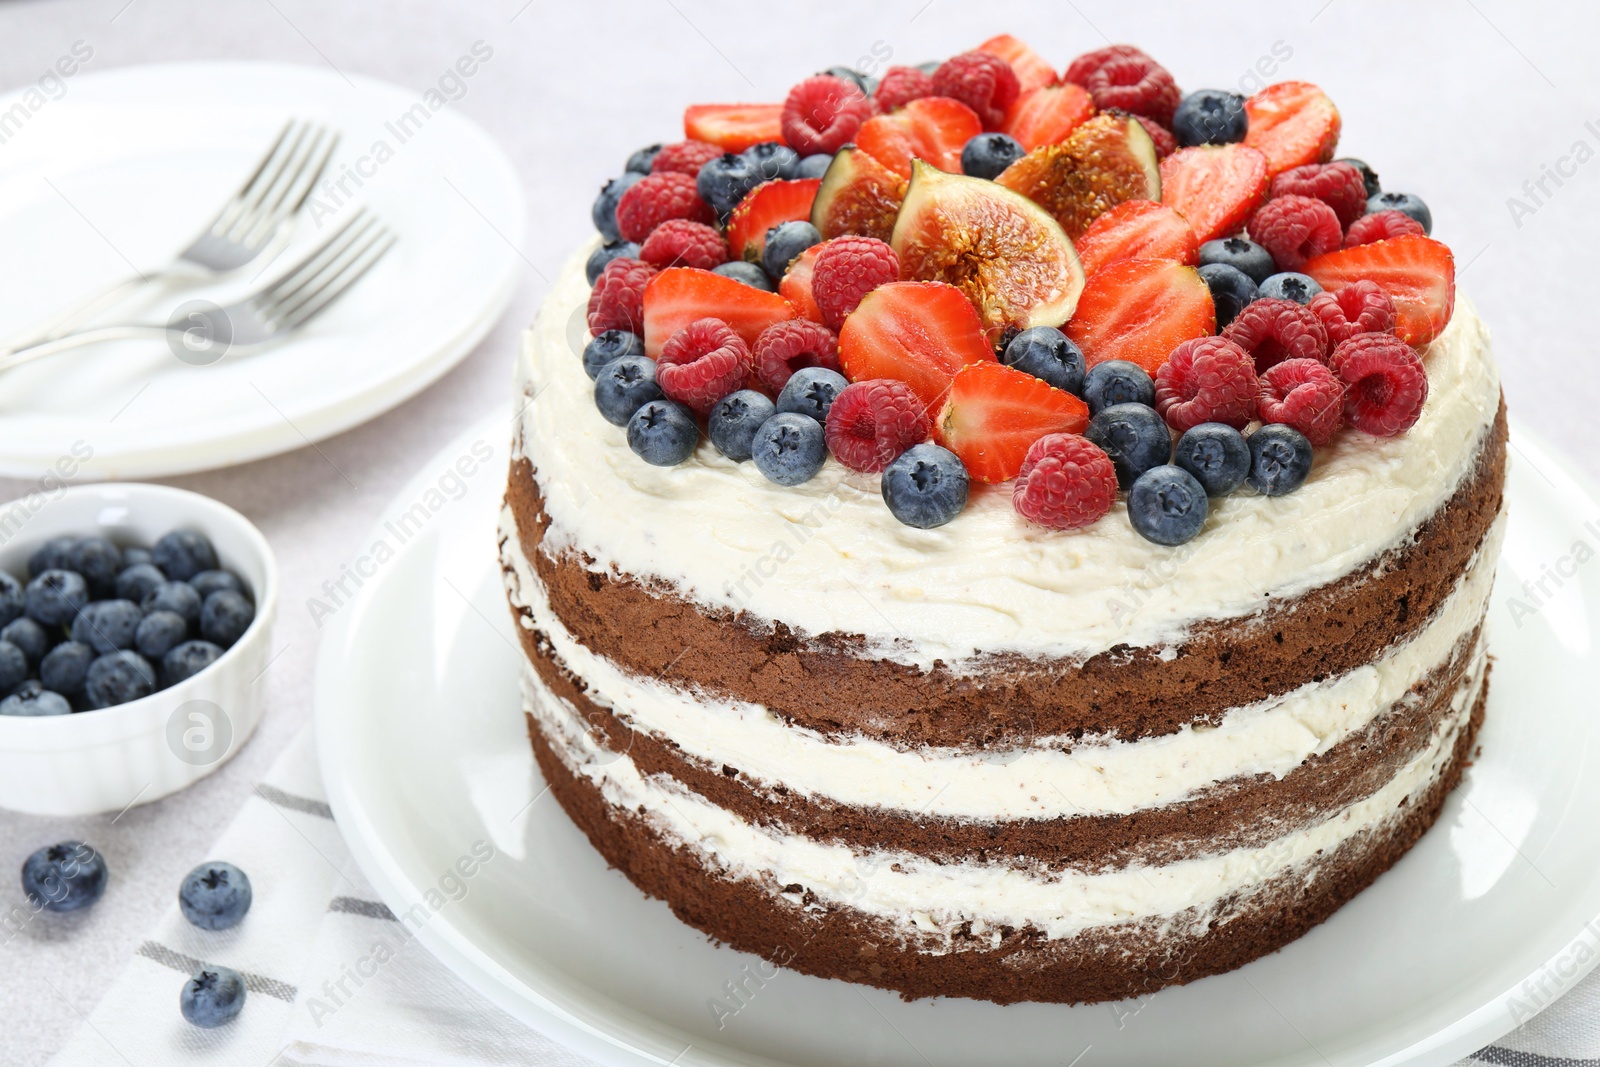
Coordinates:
<point>984,82</point>
<point>656,198</point>
<point>1339,185</point>
<point>1208,379</point>
<point>617,300</point>
<point>1304,394</point>
<point>1361,307</point>
<point>1275,330</point>
<point>1066,482</point>
<point>1385,383</point>
<point>823,113</point>
<point>1295,228</point>
<point>785,347</point>
<point>1080,69</point>
<point>1135,83</point>
<point>847,269</point>
<point>1380,226</point>
<point>702,363</point>
<point>900,86</point>
<point>684,157</point>
<point>681,243</point>
<point>1165,143</point>
<point>872,422</point>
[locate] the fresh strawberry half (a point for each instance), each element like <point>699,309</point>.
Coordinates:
<point>1215,187</point>
<point>1140,310</point>
<point>1046,114</point>
<point>1137,229</point>
<point>934,129</point>
<point>768,205</point>
<point>796,284</point>
<point>920,333</point>
<point>995,413</point>
<point>1292,123</point>
<point>1417,272</point>
<point>681,295</point>
<point>733,127</point>
<point>1033,70</point>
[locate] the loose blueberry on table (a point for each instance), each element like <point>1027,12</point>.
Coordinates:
<point>213,997</point>
<point>215,896</point>
<point>64,877</point>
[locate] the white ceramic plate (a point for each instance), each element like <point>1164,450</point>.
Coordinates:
<point>423,752</point>
<point>127,166</point>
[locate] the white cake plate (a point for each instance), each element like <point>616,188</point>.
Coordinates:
<point>1488,919</point>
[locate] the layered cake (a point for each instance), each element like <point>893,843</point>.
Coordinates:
<point>1040,556</point>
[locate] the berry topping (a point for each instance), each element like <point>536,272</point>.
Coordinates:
<point>1045,353</point>
<point>1216,455</point>
<point>994,414</point>
<point>1380,226</point>
<point>663,433</point>
<point>934,129</point>
<point>1361,307</point>
<point>810,392</point>
<point>1133,82</point>
<point>604,211</point>
<point>1242,254</point>
<point>773,161</point>
<point>1275,330</point>
<point>1231,290</point>
<point>624,386</point>
<point>1289,285</point>
<point>1209,379</point>
<point>655,199</point>
<point>858,195</point>
<point>786,347</point>
<point>920,333</point>
<point>1135,438</point>
<point>823,114</point>
<point>1296,228</point>
<point>796,284</point>
<point>785,242</point>
<point>617,300</point>
<point>1407,204</point>
<point>1116,381</point>
<point>769,205</point>
<point>1292,123</point>
<point>1136,229</point>
<point>1080,69</point>
<point>725,181</point>
<point>1418,273</point>
<point>900,86</point>
<point>1338,185</point>
<point>1209,116</point>
<point>814,166</point>
<point>1140,310</point>
<point>981,80</point>
<point>1305,394</point>
<point>678,296</point>
<point>733,127</point>
<point>1280,459</point>
<point>989,154</point>
<point>1032,69</point>
<point>681,243</point>
<point>1066,482</point>
<point>872,422</point>
<point>1047,114</point>
<point>746,274</point>
<point>605,346</point>
<point>1103,162</point>
<point>702,363</point>
<point>1167,505</point>
<point>1385,383</point>
<point>789,448</point>
<point>926,487</point>
<point>847,269</point>
<point>1161,137</point>
<point>1215,187</point>
<point>641,161</point>
<point>734,421</point>
<point>685,157</point>
<point>605,254</point>
<point>1369,177</point>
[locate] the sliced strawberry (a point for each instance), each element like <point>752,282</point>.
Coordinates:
<point>1292,123</point>
<point>681,295</point>
<point>1417,272</point>
<point>769,204</point>
<point>995,413</point>
<point>1215,187</point>
<point>934,129</point>
<point>1140,310</point>
<point>733,127</point>
<point>1046,114</point>
<point>1137,229</point>
<point>796,284</point>
<point>919,333</point>
<point>1033,70</point>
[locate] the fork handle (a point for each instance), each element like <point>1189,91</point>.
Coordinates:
<point>69,320</point>
<point>17,357</point>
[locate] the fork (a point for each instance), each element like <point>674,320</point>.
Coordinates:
<point>252,220</point>
<point>269,314</point>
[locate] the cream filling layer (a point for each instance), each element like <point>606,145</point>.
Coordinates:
<point>827,556</point>
<point>1050,778</point>
<point>928,899</point>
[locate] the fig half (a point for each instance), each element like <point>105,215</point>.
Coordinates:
<point>858,195</point>
<point>1103,162</point>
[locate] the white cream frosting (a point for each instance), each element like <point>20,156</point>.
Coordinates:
<point>828,556</point>
<point>1051,777</point>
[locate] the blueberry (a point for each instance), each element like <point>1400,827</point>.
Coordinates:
<point>65,667</point>
<point>13,598</point>
<point>926,486</point>
<point>1280,459</point>
<point>988,154</point>
<point>64,877</point>
<point>772,160</point>
<point>1046,353</point>
<point>1369,177</point>
<point>207,582</point>
<point>1231,289</point>
<point>35,703</point>
<point>735,420</point>
<point>1116,381</point>
<point>107,625</point>
<point>604,212</point>
<point>182,554</point>
<point>213,997</point>
<point>1167,505</point>
<point>1216,455</point>
<point>608,346</point>
<point>1135,438</point>
<point>1289,285</point>
<point>605,254</point>
<point>132,557</point>
<point>54,555</point>
<point>1242,254</point>
<point>98,561</point>
<point>188,660</point>
<point>13,666</point>
<point>55,597</point>
<point>724,181</point>
<point>215,896</point>
<point>785,242</point>
<point>861,81</point>
<point>117,678</point>
<point>789,447</point>
<point>33,639</point>
<point>810,391</point>
<point>624,386</point>
<point>1408,203</point>
<point>749,273</point>
<point>814,166</point>
<point>1210,116</point>
<point>641,161</point>
<point>159,633</point>
<point>224,617</point>
<point>174,596</point>
<point>139,581</point>
<point>663,433</point>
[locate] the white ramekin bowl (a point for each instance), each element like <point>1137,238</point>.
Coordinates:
<point>111,759</point>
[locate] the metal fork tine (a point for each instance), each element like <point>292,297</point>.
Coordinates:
<point>236,202</point>
<point>361,238</point>
<point>242,206</point>
<point>352,273</point>
<point>271,176</point>
<point>313,262</point>
<point>297,193</point>
<point>293,190</point>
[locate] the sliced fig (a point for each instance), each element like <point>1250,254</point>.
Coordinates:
<point>1103,162</point>
<point>858,195</point>
<point>1001,249</point>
